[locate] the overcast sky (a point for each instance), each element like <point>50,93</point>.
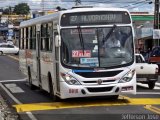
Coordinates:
<point>131,5</point>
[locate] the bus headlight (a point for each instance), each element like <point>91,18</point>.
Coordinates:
<point>127,77</point>
<point>70,79</point>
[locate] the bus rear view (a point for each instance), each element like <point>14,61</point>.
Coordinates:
<point>96,53</point>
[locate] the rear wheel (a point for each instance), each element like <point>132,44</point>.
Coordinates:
<point>1,53</point>
<point>151,85</point>
<point>51,92</point>
<point>32,87</point>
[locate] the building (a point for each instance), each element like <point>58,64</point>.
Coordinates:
<point>143,24</point>
<point>9,26</point>
<point>41,13</point>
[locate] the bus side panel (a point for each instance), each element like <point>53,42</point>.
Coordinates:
<point>46,61</point>
<point>31,63</point>
<point>22,62</point>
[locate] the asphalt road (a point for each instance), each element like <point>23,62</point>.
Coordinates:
<point>9,69</point>
<point>37,105</point>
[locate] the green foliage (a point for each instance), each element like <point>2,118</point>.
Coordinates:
<point>7,10</point>
<point>21,9</point>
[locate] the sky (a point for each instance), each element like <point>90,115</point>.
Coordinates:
<point>131,5</point>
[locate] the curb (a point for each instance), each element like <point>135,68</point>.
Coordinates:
<point>6,111</point>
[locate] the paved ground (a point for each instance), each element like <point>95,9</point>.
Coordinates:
<point>7,112</point>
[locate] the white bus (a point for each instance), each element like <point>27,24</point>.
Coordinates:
<point>72,53</point>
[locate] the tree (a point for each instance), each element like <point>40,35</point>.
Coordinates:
<point>7,10</point>
<point>22,9</point>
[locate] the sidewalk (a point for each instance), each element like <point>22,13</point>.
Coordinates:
<point>6,113</point>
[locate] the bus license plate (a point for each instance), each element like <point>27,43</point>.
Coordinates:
<point>141,79</point>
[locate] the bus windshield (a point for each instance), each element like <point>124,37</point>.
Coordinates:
<point>97,47</point>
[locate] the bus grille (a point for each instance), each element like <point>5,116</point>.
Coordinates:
<point>98,74</point>
<point>101,89</point>
<point>104,81</point>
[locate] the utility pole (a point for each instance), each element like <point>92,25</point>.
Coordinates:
<point>156,19</point>
<point>77,2</point>
<point>156,14</point>
<point>42,5</point>
<point>1,12</point>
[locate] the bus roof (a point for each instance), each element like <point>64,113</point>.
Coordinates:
<point>94,9</point>
<point>56,15</point>
<point>39,20</point>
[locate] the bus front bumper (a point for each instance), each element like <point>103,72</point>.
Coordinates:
<point>74,91</point>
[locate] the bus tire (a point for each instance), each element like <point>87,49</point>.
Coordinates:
<point>32,87</point>
<point>151,85</point>
<point>1,53</point>
<point>51,92</point>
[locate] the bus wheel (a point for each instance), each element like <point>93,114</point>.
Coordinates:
<point>1,53</point>
<point>32,87</point>
<point>51,92</point>
<point>151,85</point>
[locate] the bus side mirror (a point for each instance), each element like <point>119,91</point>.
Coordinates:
<point>57,41</point>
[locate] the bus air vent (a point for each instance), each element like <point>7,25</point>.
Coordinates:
<point>104,81</point>
<point>100,89</point>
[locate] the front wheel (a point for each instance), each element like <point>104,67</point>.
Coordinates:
<point>51,92</point>
<point>32,87</point>
<point>151,85</point>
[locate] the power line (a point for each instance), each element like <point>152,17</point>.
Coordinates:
<point>137,4</point>
<point>133,4</point>
<point>104,1</point>
<point>46,2</point>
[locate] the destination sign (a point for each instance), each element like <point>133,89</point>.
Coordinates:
<point>95,18</point>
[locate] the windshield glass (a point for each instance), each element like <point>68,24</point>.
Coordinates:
<point>97,47</point>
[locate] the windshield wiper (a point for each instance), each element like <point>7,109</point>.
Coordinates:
<point>81,38</point>
<point>109,33</point>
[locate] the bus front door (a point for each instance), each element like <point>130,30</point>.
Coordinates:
<point>38,58</point>
<point>57,65</point>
